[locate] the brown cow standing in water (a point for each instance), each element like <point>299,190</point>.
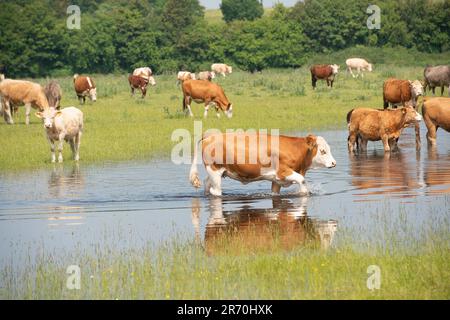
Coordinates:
<point>436,114</point>
<point>324,72</point>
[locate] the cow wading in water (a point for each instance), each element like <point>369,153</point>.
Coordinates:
<point>253,157</point>
<point>324,72</point>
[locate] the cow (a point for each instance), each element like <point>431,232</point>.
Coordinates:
<point>63,125</point>
<point>359,64</point>
<point>206,75</point>
<point>221,68</point>
<point>84,86</point>
<point>3,71</point>
<point>283,160</point>
<point>53,93</point>
<point>374,125</point>
<point>208,92</point>
<point>146,73</point>
<point>436,114</point>
<point>185,75</point>
<point>285,225</point>
<point>404,92</point>
<point>438,76</point>
<point>324,72</point>
<point>19,92</point>
<point>137,82</point>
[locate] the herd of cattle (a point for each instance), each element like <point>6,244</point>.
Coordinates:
<point>296,155</point>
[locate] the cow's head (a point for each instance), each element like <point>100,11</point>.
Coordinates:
<point>323,157</point>
<point>411,115</point>
<point>230,69</point>
<point>334,68</point>
<point>93,94</point>
<point>229,111</point>
<point>152,81</point>
<point>212,75</point>
<point>416,88</point>
<point>369,67</point>
<point>48,116</point>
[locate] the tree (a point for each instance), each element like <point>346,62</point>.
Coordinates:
<point>179,15</point>
<point>241,10</point>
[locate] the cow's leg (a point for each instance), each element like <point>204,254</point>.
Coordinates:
<point>313,81</point>
<point>431,134</point>
<point>27,113</point>
<point>442,90</point>
<point>52,149</point>
<point>60,147</point>
<point>187,103</point>
<point>351,71</point>
<point>207,105</point>
<point>276,187</point>
<point>385,140</point>
<point>215,177</point>
<point>351,142</point>
<point>77,146</point>
<point>433,89</point>
<point>297,178</point>
<point>7,112</point>
<point>393,144</point>
<point>417,129</point>
<point>72,146</point>
<point>132,91</point>
<point>362,144</point>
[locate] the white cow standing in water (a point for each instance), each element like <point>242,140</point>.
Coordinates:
<point>359,64</point>
<point>66,124</point>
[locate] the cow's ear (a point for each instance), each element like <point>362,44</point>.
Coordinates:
<point>311,141</point>
<point>39,115</point>
<point>404,110</point>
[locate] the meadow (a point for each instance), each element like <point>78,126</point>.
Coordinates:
<point>120,127</point>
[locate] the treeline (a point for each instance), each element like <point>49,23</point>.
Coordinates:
<point>170,35</point>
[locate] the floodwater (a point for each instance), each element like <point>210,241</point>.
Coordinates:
<point>70,207</point>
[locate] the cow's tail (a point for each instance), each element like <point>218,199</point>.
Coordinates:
<point>193,174</point>
<point>349,116</point>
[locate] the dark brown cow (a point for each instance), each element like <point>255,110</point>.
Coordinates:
<point>404,92</point>
<point>324,72</point>
<point>208,92</point>
<point>137,82</point>
<point>85,86</point>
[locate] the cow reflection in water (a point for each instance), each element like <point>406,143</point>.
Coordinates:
<point>286,226</point>
<point>63,183</point>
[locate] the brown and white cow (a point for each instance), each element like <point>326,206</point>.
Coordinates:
<point>208,92</point>
<point>221,68</point>
<point>253,157</point>
<point>324,72</point>
<point>373,125</point>
<point>14,93</point>
<point>404,92</point>
<point>359,64</point>
<point>436,114</point>
<point>85,86</point>
<point>206,75</point>
<point>53,93</point>
<point>137,82</point>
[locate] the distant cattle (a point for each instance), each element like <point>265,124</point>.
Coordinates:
<point>221,68</point>
<point>324,72</point>
<point>63,125</point>
<point>146,73</point>
<point>85,86</point>
<point>208,92</point>
<point>359,64</point>
<point>18,92</point>
<point>53,93</point>
<point>436,114</point>
<point>365,124</point>
<point>438,76</point>
<point>283,162</point>
<point>404,92</point>
<point>137,82</point>
<point>185,75</point>
<point>206,75</point>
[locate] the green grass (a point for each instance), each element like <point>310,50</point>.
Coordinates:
<point>118,127</point>
<point>413,266</point>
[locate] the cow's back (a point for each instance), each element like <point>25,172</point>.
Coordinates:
<point>396,90</point>
<point>83,83</point>
<point>438,111</point>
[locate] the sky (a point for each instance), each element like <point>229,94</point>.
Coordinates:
<point>214,4</point>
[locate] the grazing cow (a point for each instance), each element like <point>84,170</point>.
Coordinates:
<point>3,71</point>
<point>248,161</point>
<point>18,92</point>
<point>221,68</point>
<point>438,76</point>
<point>374,125</point>
<point>436,114</point>
<point>359,64</point>
<point>208,92</point>
<point>324,72</point>
<point>137,82</point>
<point>53,93</point>
<point>404,92</point>
<point>85,86</point>
<point>63,125</point>
<point>206,75</point>
<point>146,73</point>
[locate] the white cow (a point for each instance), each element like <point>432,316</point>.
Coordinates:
<point>206,75</point>
<point>146,73</point>
<point>185,75</point>
<point>358,64</point>
<point>221,68</point>
<point>66,124</point>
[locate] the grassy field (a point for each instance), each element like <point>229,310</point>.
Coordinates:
<point>413,265</point>
<point>119,127</point>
